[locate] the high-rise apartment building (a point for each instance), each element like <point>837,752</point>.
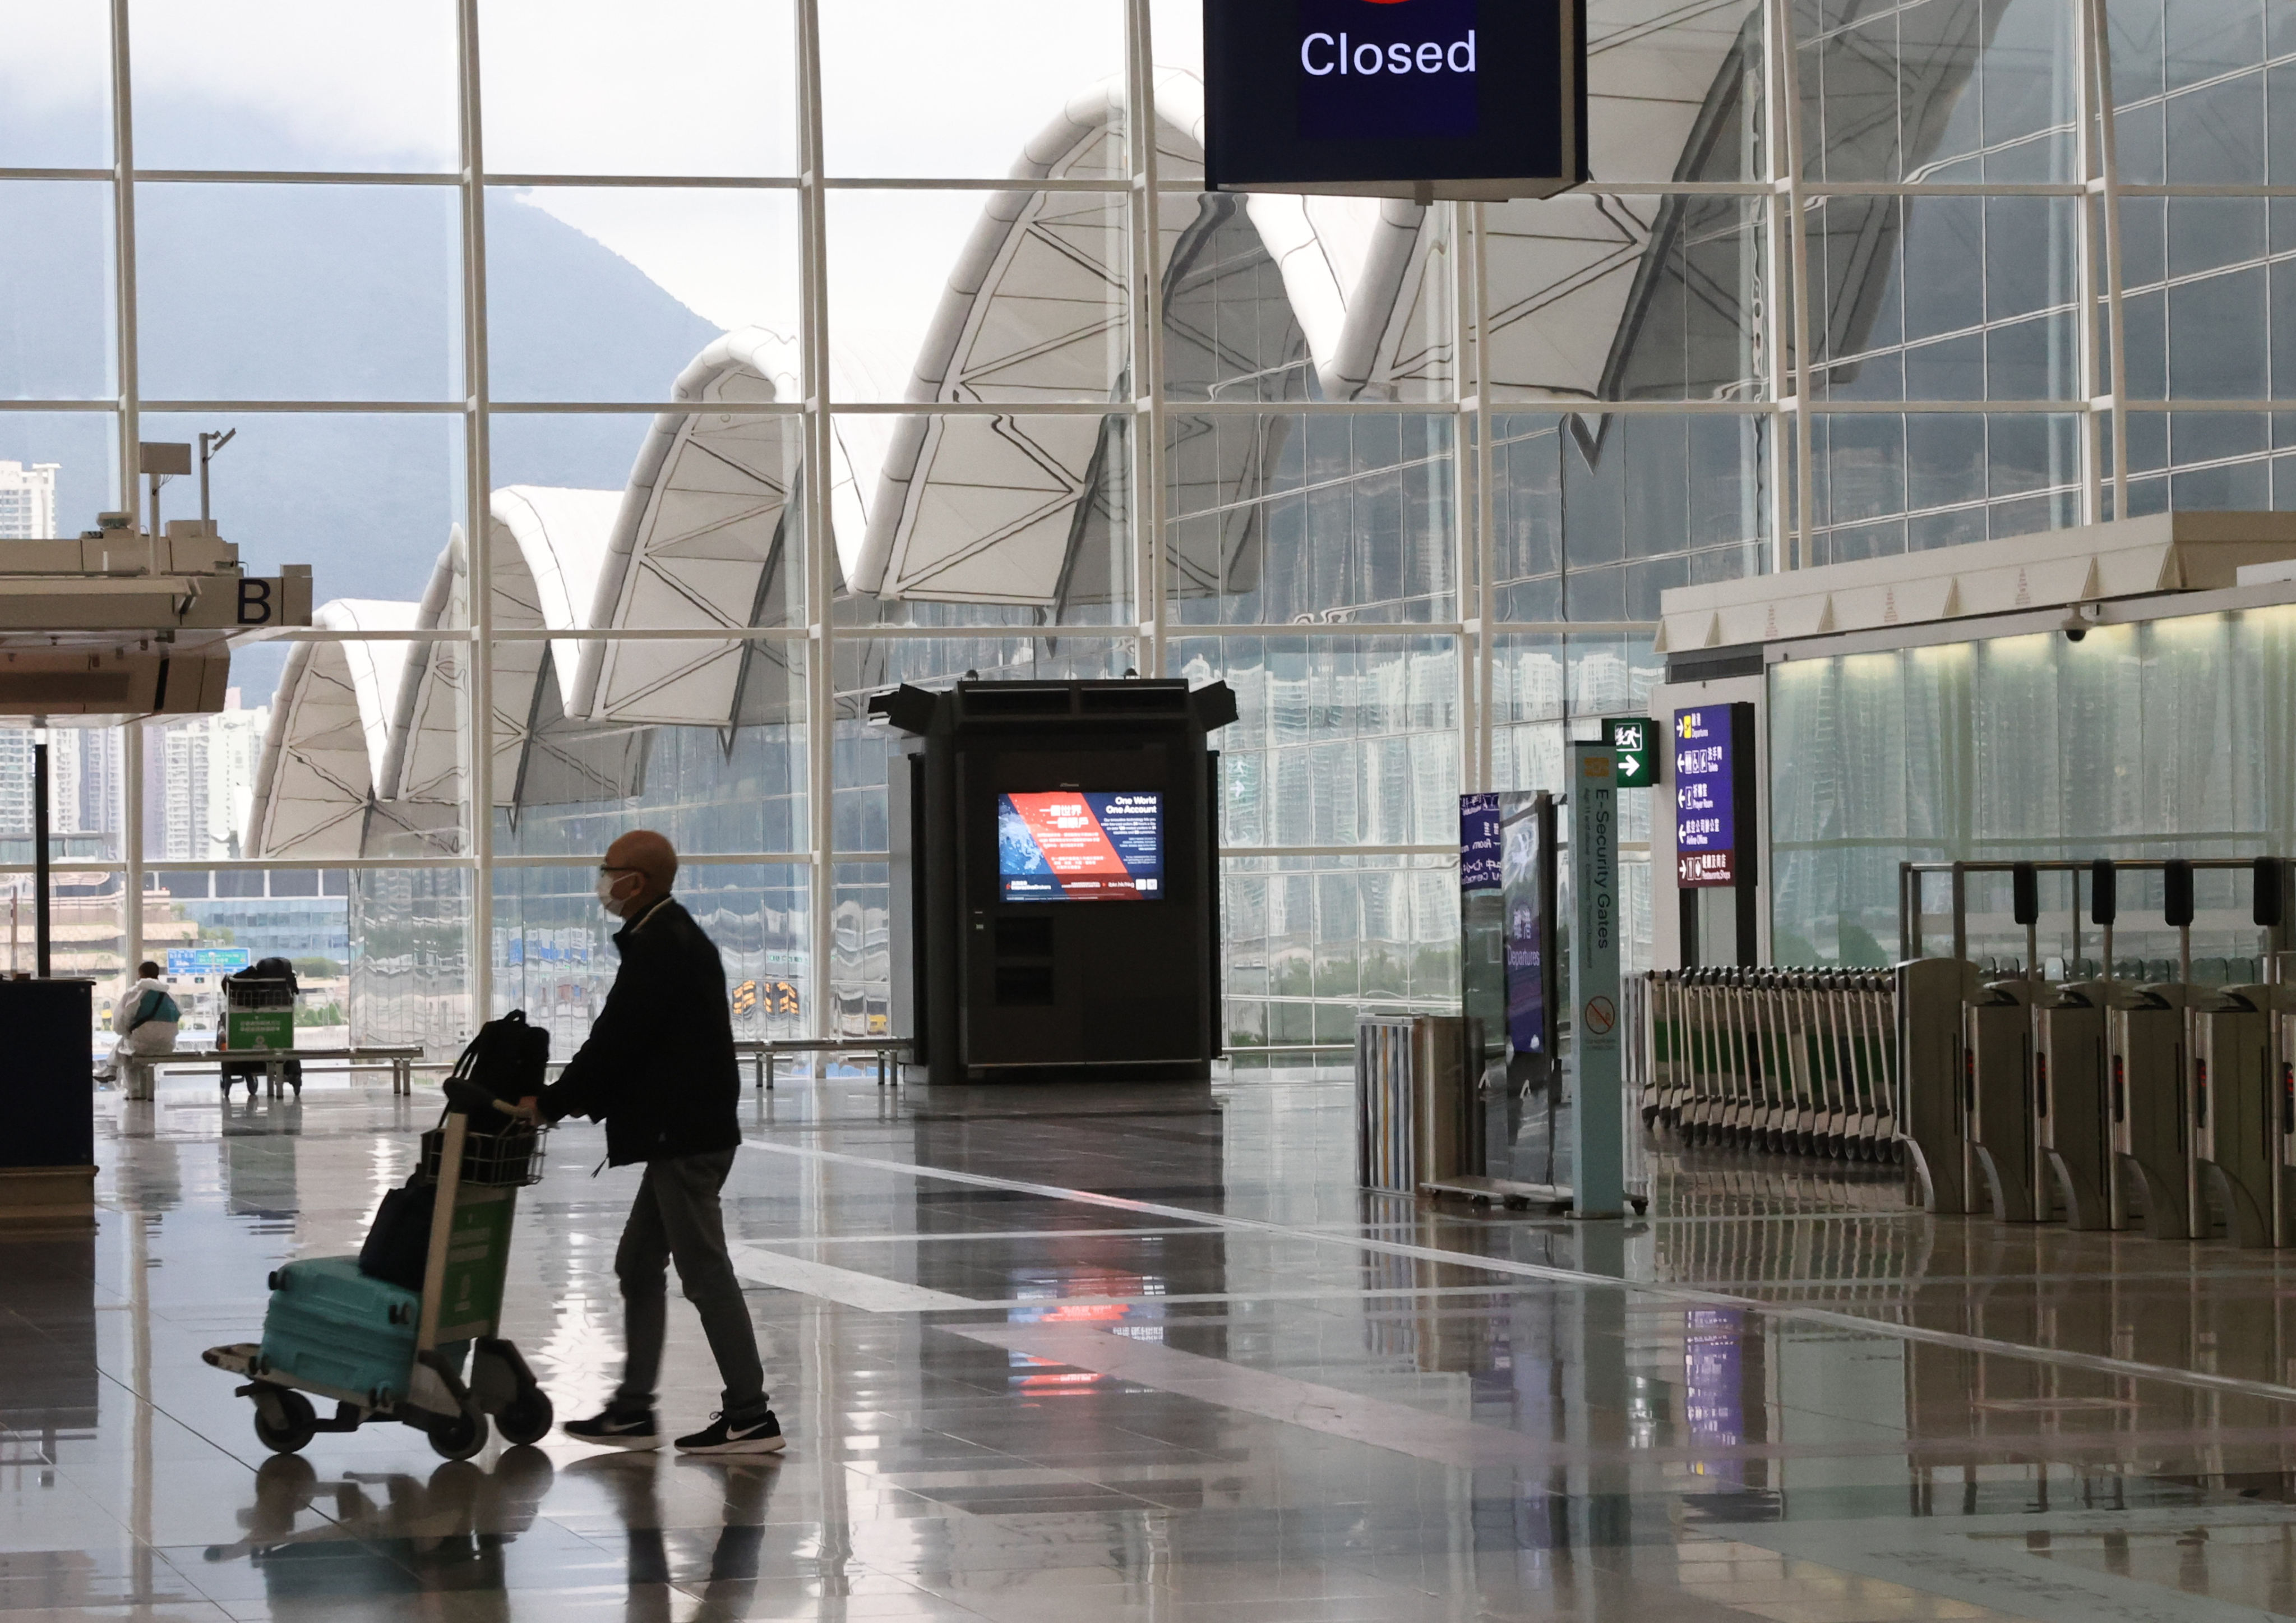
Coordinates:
<point>85,776</point>
<point>28,500</point>
<point>15,783</point>
<point>208,770</point>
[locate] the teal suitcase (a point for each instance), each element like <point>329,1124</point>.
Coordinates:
<point>332,1327</point>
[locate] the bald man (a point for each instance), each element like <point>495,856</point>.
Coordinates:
<point>657,1068</point>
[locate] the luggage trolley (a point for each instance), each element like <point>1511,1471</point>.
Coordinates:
<point>258,1017</point>
<point>382,1352</point>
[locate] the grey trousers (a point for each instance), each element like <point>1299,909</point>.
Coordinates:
<point>677,1218</point>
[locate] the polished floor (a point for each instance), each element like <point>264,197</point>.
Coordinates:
<point>1108,1355</point>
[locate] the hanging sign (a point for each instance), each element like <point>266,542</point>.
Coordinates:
<point>1396,98</point>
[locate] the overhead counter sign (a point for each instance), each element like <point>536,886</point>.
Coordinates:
<point>1421,99</point>
<point>1713,795</point>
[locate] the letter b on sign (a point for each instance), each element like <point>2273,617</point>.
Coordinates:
<point>255,603</point>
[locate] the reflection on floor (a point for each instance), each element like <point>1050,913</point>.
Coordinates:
<point>1134,1354</point>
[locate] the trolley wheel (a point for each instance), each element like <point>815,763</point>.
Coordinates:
<point>286,1484</point>
<point>302,1424</point>
<point>527,1417</point>
<point>461,1438</point>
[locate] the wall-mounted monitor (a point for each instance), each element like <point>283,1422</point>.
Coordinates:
<point>1080,845</point>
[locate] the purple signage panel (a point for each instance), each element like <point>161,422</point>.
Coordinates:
<point>1705,815</point>
<point>1522,862</point>
<point>1478,843</point>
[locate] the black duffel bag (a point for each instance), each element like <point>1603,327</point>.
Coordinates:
<point>397,1246</point>
<point>508,1059</point>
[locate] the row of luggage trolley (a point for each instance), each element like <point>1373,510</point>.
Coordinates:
<point>1794,1060</point>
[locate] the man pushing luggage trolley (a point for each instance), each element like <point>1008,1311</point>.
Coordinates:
<point>658,1069</point>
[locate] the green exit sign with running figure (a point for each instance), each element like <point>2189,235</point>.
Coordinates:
<point>1630,741</point>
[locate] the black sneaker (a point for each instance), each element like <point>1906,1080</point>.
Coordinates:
<point>719,1437</point>
<point>614,1428</point>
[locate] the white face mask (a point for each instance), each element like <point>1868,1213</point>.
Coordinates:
<point>606,883</point>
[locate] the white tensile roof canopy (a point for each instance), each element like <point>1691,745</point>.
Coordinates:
<point>363,753</point>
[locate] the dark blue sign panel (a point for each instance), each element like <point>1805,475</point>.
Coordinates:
<point>1478,843</point>
<point>1409,67</point>
<point>1447,98</point>
<point>1520,861</point>
<point>1705,813</point>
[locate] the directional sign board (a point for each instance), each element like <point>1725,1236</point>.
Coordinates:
<point>1713,795</point>
<point>208,960</point>
<point>1631,739</point>
<point>1478,842</point>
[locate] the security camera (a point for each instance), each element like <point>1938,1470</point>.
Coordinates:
<point>2076,624</point>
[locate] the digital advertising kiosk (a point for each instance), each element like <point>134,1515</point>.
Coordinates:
<point>1056,879</point>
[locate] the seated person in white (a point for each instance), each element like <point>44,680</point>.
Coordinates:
<point>146,1018</point>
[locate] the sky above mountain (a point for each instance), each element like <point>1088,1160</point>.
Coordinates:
<point>311,293</point>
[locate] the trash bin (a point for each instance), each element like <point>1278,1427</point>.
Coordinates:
<point>1419,1107</point>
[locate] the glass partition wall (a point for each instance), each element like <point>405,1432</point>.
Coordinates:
<point>638,425</point>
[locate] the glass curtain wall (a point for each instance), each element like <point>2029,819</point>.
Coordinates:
<point>639,427</point>
<point>2165,739</point>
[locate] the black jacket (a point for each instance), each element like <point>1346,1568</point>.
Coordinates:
<point>658,1066</point>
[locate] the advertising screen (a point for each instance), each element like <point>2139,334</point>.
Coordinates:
<point>1392,96</point>
<point>1526,932</point>
<point>1705,815</point>
<point>1080,845</point>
